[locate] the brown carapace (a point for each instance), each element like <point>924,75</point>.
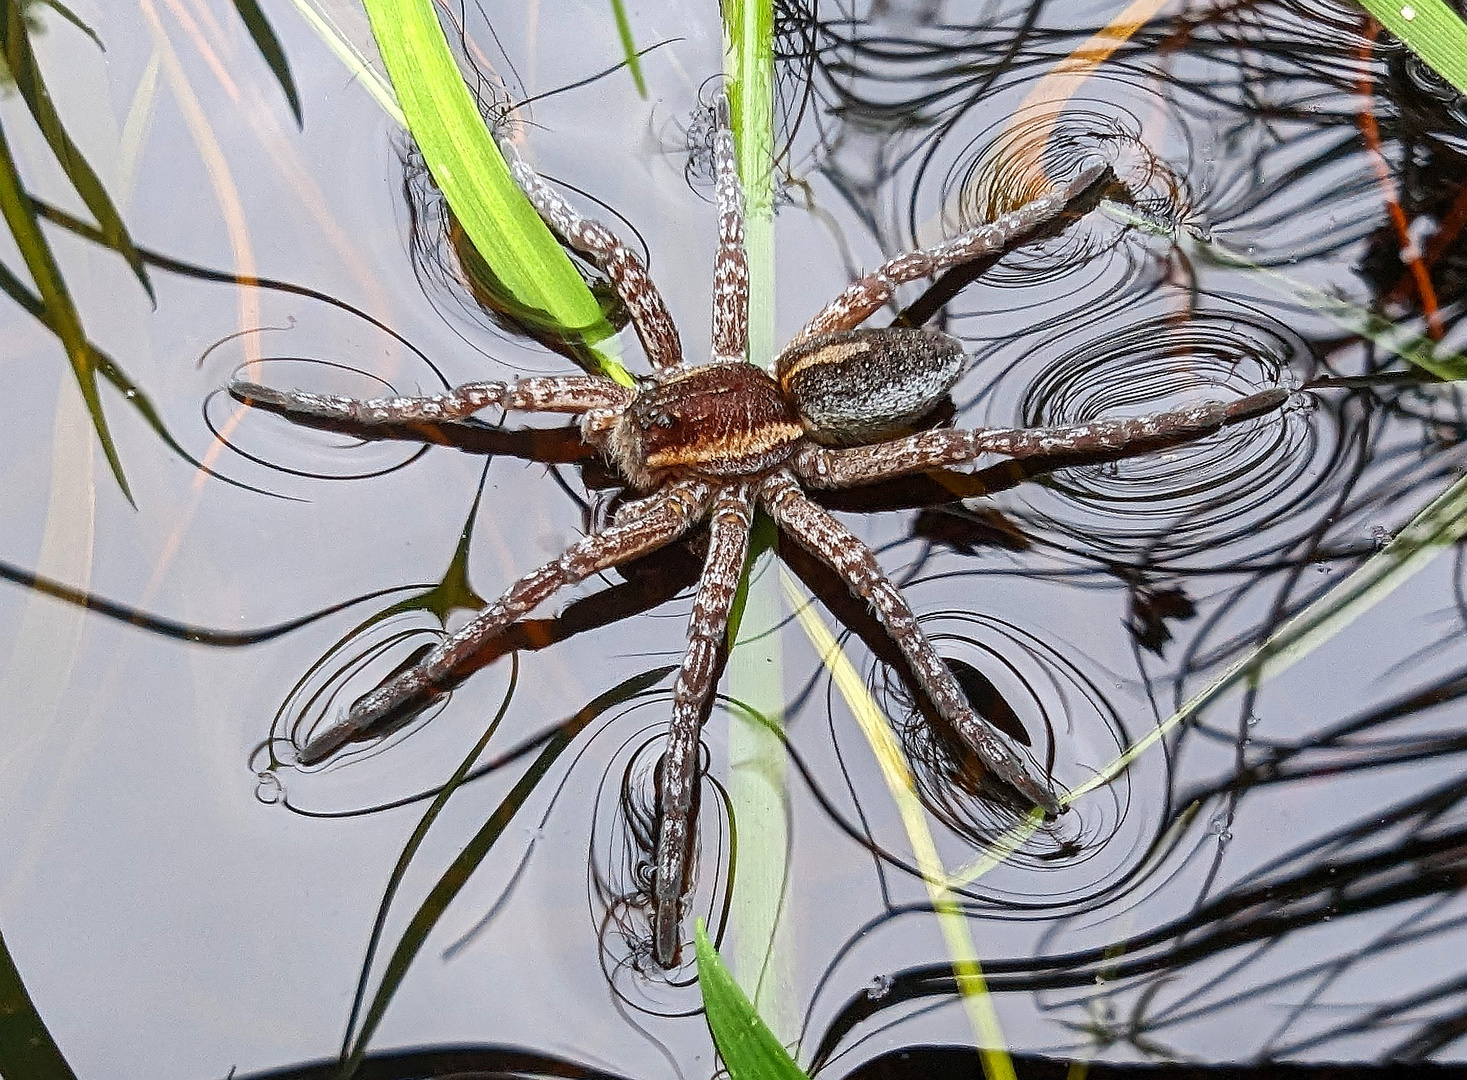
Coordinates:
<point>713,442</point>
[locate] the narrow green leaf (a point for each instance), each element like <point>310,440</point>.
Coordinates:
<point>16,43</point>
<point>351,58</point>
<point>61,313</point>
<point>474,853</point>
<point>629,46</point>
<point>1391,338</point>
<point>1437,527</point>
<point>745,1043</point>
<point>270,48</point>
<point>26,1047</point>
<point>1430,29</point>
<point>471,173</point>
<point>75,20</point>
<point>761,951</point>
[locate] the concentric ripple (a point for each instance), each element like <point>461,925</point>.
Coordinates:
<point>1202,496</point>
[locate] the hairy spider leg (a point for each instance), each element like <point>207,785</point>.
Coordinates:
<point>629,277</point>
<point>820,467</point>
<point>730,267</point>
<point>728,543</point>
<point>862,299</point>
<point>558,394</point>
<point>828,540</point>
<point>681,505</point>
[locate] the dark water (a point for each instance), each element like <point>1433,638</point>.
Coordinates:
<point>1281,879</point>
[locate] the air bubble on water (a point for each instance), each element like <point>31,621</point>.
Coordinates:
<point>268,788</point>
<point>878,988</point>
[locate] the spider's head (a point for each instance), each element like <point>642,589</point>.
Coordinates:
<point>721,420</point>
<point>861,386</point>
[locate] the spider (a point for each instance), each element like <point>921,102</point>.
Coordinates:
<point>714,441</point>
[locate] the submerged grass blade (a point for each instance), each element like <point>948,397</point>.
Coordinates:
<point>1431,30</point>
<point>61,313</point>
<point>352,59</point>
<point>270,48</point>
<point>21,60</point>
<point>1394,338</point>
<point>744,1041</point>
<point>972,987</point>
<point>26,1047</point>
<point>457,875</point>
<point>629,46</point>
<point>1437,527</point>
<point>75,20</point>
<point>468,168</point>
<point>759,939</point>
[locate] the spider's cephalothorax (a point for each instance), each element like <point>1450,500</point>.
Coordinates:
<point>713,442</point>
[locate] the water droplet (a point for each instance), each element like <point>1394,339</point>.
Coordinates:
<point>1380,536</point>
<point>1253,720</point>
<point>1408,12</point>
<point>878,988</point>
<point>268,788</point>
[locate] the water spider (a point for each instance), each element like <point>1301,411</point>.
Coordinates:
<point>713,442</point>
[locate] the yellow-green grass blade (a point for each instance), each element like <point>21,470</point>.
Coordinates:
<point>61,313</point>
<point>748,1048</point>
<point>1430,29</point>
<point>271,50</point>
<point>466,165</point>
<point>1437,527</point>
<point>967,970</point>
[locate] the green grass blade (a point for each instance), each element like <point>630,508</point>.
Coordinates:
<point>1391,338</point>
<point>270,48</point>
<point>1438,527</point>
<point>1430,29</point>
<point>21,59</point>
<point>457,875</point>
<point>629,46</point>
<point>963,952</point>
<point>75,20</point>
<point>744,1041</point>
<point>352,59</point>
<point>61,313</point>
<point>760,945</point>
<point>460,153</point>
<point>26,1047</point>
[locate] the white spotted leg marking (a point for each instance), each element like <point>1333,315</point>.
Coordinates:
<point>728,545</point>
<point>831,542</point>
<point>680,505</point>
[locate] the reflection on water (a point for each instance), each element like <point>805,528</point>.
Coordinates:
<point>1280,879</point>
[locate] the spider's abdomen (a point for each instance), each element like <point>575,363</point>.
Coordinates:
<point>722,420</point>
<point>859,386</point>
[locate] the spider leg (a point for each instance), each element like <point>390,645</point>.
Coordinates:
<point>861,299</point>
<point>820,467</point>
<point>628,275</point>
<point>830,541</point>
<point>730,267</point>
<point>728,544</point>
<point>681,505</point>
<point>561,394</point>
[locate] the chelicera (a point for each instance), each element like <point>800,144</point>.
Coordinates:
<point>713,442</point>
